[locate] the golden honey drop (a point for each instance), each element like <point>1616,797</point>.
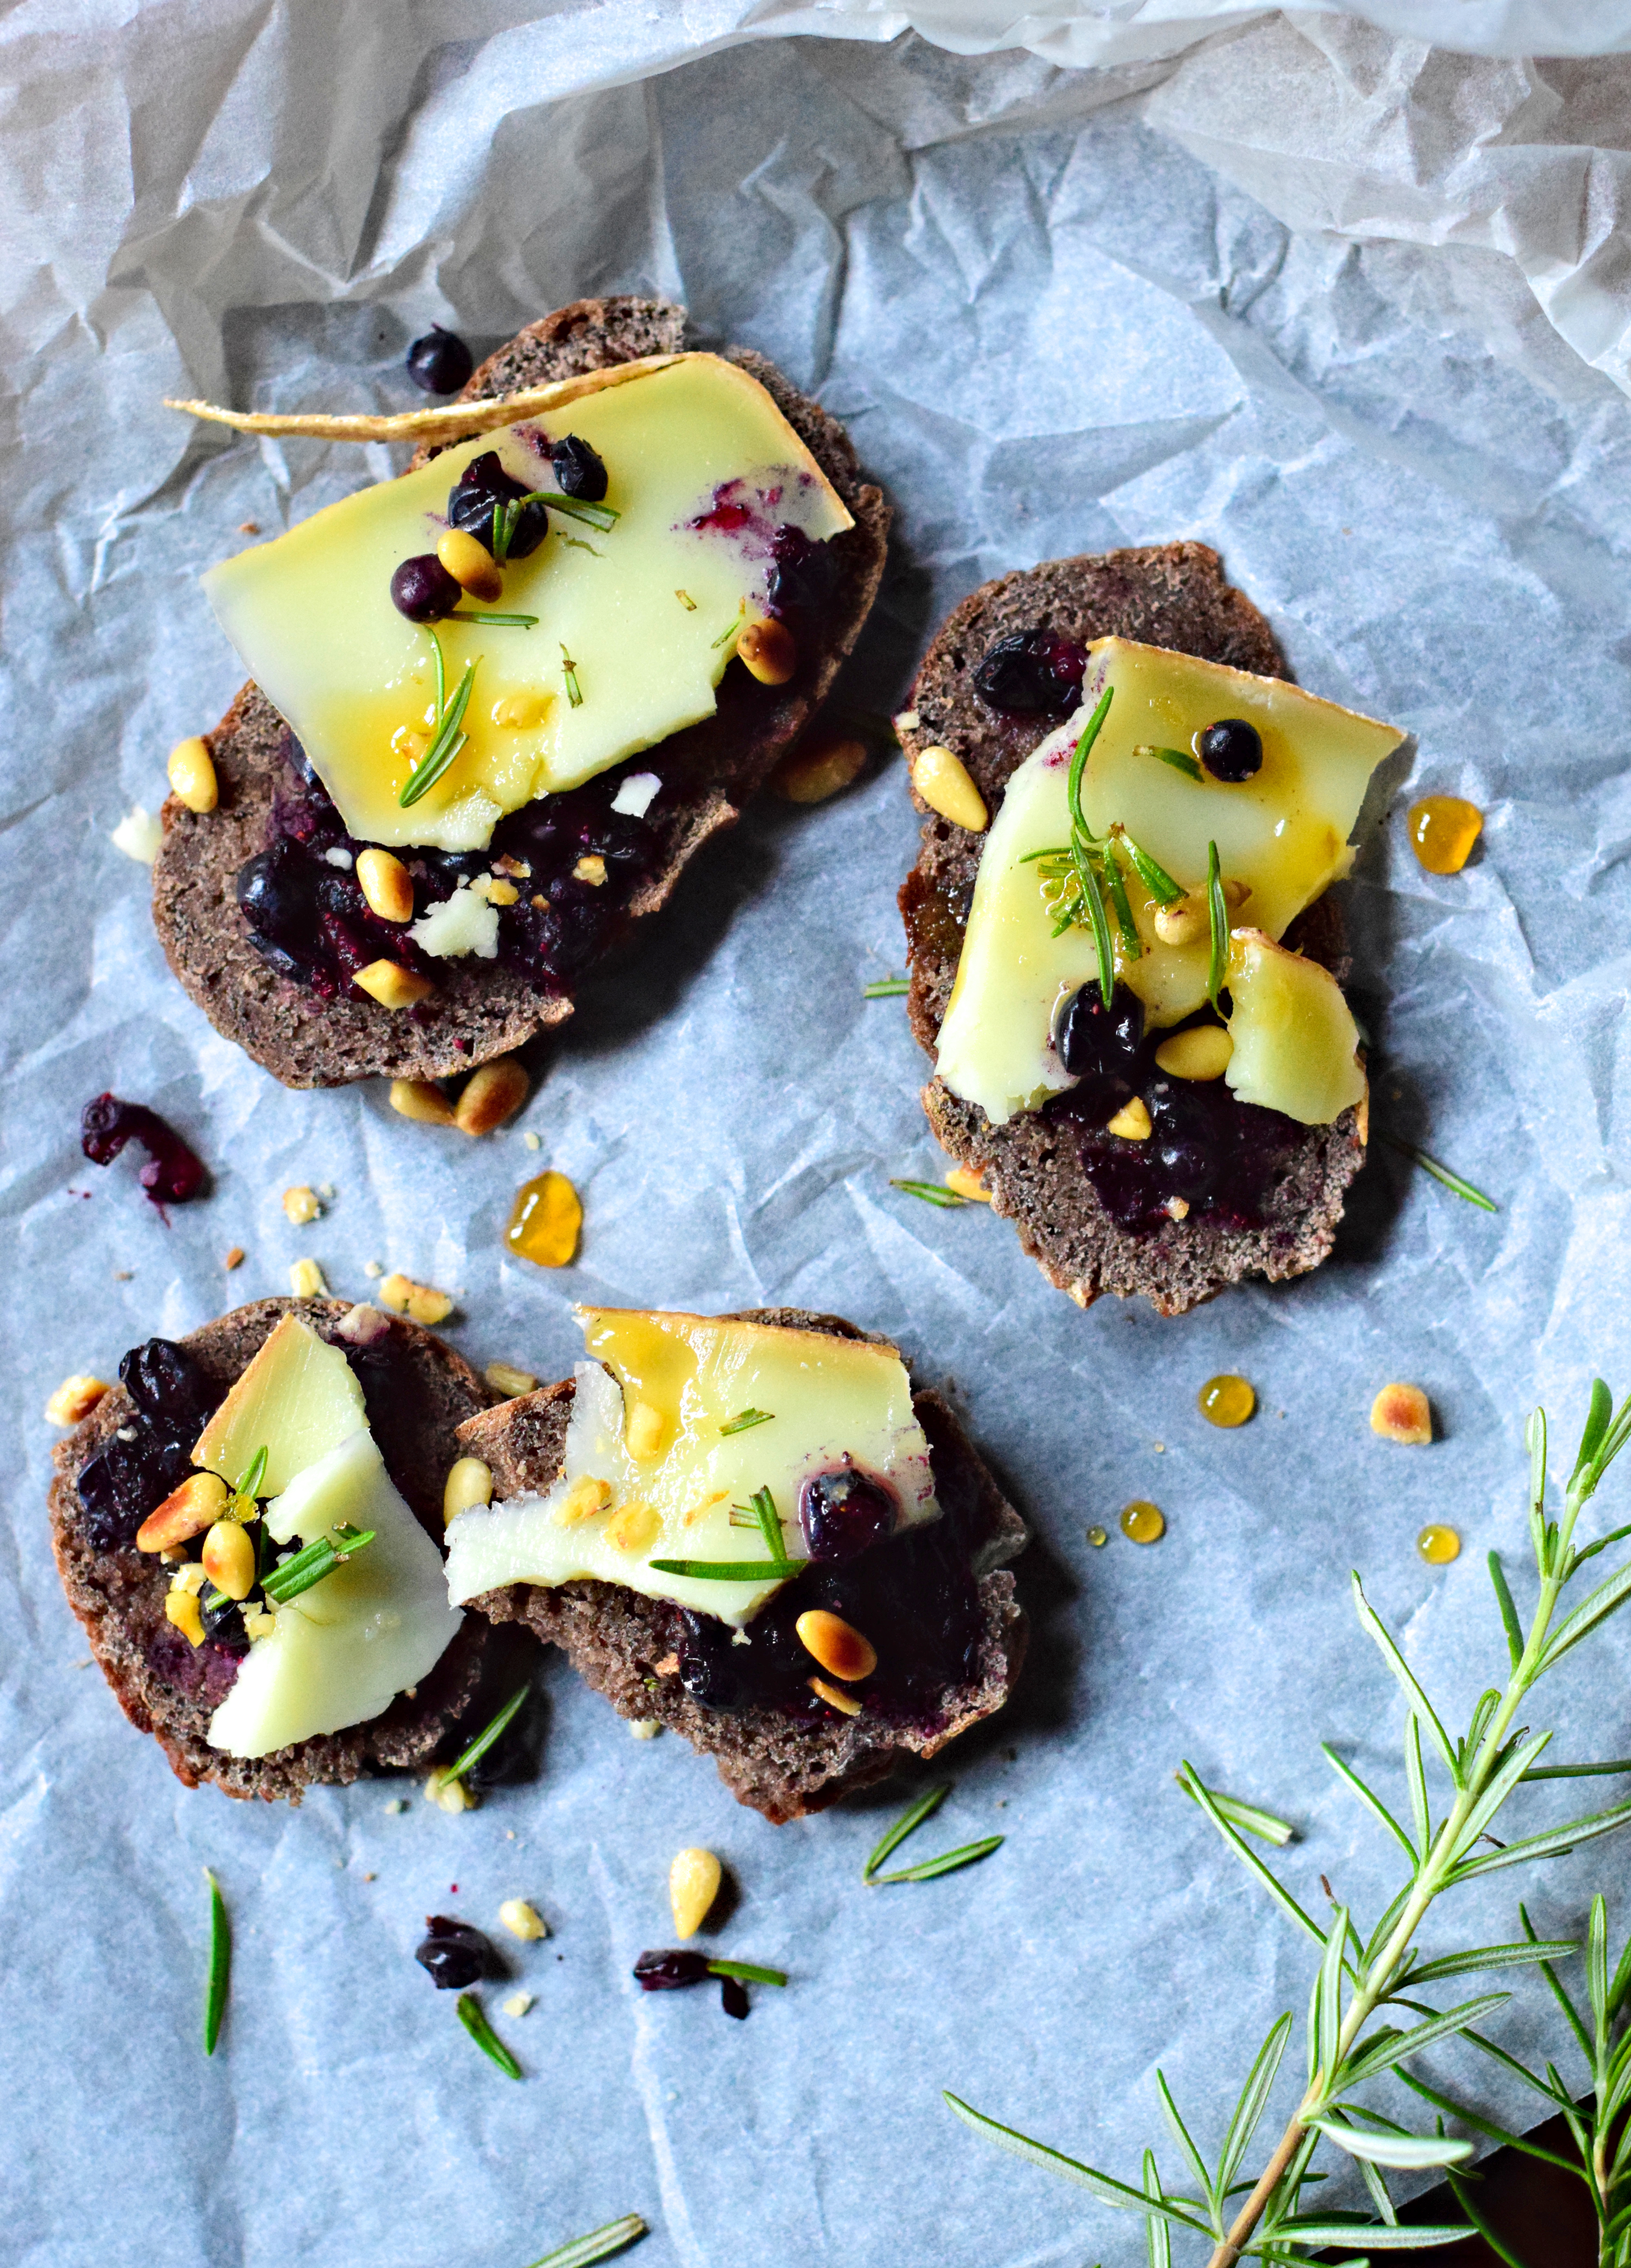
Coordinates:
<point>1096,1536</point>
<point>1144,1523</point>
<point>1443,831</point>
<point>1438,1546</point>
<point>1226,1400</point>
<point>544,1225</point>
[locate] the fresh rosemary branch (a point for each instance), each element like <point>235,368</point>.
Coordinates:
<point>1359,1976</point>
<point>304,1568</point>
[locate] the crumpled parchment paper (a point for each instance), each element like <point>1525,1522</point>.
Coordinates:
<point>1346,310</point>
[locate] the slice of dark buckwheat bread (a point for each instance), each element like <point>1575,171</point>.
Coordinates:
<point>417,1392</point>
<point>484,1009</point>
<point>623,1643</point>
<point>1171,594</point>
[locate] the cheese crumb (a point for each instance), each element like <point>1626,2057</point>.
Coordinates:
<point>523,1920</point>
<point>139,836</point>
<point>645,1729</point>
<point>518,2004</point>
<point>423,1303</point>
<point>506,1379</point>
<point>463,923</point>
<point>305,1280</point>
<point>532,1141</point>
<point>636,794</point>
<point>302,1207</point>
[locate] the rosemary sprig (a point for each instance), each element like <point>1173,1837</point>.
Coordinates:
<point>574,690</point>
<point>1217,914</point>
<point>1441,1173</point>
<point>934,1193</point>
<point>1151,873</point>
<point>474,2018</point>
<point>947,1863</point>
<point>486,1737</point>
<point>744,1571</point>
<point>745,1420</point>
<point>1359,1976</point>
<point>913,1816</point>
<point>600,2244</point>
<point>448,740</point>
<point>507,517</point>
<point>317,1559</point>
<point>1180,760</point>
<point>220,1965</point>
<point>885,988</point>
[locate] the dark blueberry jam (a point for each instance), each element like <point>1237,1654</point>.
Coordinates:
<point>309,920</point>
<point>914,1597</point>
<point>129,1478</point>
<point>845,1511</point>
<point>173,1175</point>
<point>439,362</point>
<point>1031,672</point>
<point>168,1385</point>
<point>484,485</point>
<point>453,1956</point>
<point>1213,1156</point>
<point>670,1972</point>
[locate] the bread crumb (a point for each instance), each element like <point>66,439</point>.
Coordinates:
<point>249,527</point>
<point>123,1274</point>
<point>370,1878</point>
<point>645,1729</point>
<point>234,1259</point>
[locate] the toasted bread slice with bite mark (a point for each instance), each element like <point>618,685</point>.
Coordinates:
<point>1171,595</point>
<point>483,1008</point>
<point>417,1392</point>
<point>629,1646</point>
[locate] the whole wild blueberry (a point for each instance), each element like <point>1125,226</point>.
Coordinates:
<point>580,470</point>
<point>670,1972</point>
<point>480,489</point>
<point>166,1383</point>
<point>439,362</point>
<point>224,1623</point>
<point>277,891</point>
<point>423,589</point>
<point>844,1512</point>
<point>452,1955</point>
<point>1029,671</point>
<point>1231,750</point>
<point>1094,1039</point>
<point>173,1175</point>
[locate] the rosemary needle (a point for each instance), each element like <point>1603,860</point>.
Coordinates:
<point>885,988</point>
<point>1252,1816</point>
<point>931,1192</point>
<point>747,1972</point>
<point>913,1816</point>
<point>220,1965</point>
<point>600,2244</point>
<point>745,1420</point>
<point>472,2016</point>
<point>947,1863</point>
<point>1441,1173</point>
<point>486,1737</point>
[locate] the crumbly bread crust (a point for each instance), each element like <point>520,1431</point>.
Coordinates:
<point>1171,595</point>
<point>486,1010</point>
<point>119,1596</point>
<point>617,1639</point>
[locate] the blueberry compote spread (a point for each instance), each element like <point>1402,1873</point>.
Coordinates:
<point>914,1597</point>
<point>309,919</point>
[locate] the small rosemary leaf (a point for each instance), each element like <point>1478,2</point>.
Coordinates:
<point>747,1972</point>
<point>1281,1896</point>
<point>220,1965</point>
<point>517,622</point>
<point>1371,1801</point>
<point>601,517</point>
<point>931,1192</point>
<point>731,630</point>
<point>1078,761</point>
<point>1484,2126</point>
<point>1249,1816</point>
<point>1461,2191</point>
<point>441,673</point>
<point>769,1524</point>
<point>1375,2235</point>
<point>1546,1846</point>
<point>1422,1709</point>
<point>443,748</point>
<point>947,1863</point>
<point>1105,2187</point>
<point>574,690</point>
<point>1158,2235</point>
<point>1217,914</point>
<point>1579,1772</point>
<point>745,1420</point>
<point>1154,878</point>
<point>1510,1623</point>
<point>885,988</point>
<point>1131,944</point>
<point>1490,1957</point>
<point>1368,2059</point>
<point>913,1816</point>
<point>249,1487</point>
<point>1393,2149</point>
<point>730,1571</point>
<point>1441,1173</point>
<point>1606,1600</point>
<point>473,2019</point>
<point>1093,900</point>
<point>600,2244</point>
<point>1253,2100</point>
<point>1181,2136</point>
<point>1178,758</point>
<point>311,1565</point>
<point>488,1734</point>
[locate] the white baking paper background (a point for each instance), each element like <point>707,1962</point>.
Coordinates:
<point>1350,310</point>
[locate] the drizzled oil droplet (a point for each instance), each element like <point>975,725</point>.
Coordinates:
<point>1096,1536</point>
<point>1438,1546</point>
<point>1443,830</point>
<point>1226,1400</point>
<point>1144,1523</point>
<point>544,1225</point>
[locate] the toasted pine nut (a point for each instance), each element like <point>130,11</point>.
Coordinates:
<point>1402,1414</point>
<point>301,1205</point>
<point>422,1100</point>
<point>471,565</point>
<point>693,1879</point>
<point>186,1511</point>
<point>182,1609</point>
<point>506,1379</point>
<point>1186,920</point>
<point>1202,1052</point>
<point>591,868</point>
<point>643,1430</point>
<point>967,1181</point>
<point>448,1794</point>
<point>811,774</point>
<point>1131,1122</point>
<point>492,1096</point>
<point>518,712</point>
<point>307,1281</point>
<point>74,1399</point>
<point>469,1482</point>
<point>422,1303</point>
<point>260,1622</point>
<point>228,1559</point>
<point>192,774</point>
<point>768,649</point>
<point>1235,893</point>
<point>391,984</point>
<point>502,892</point>
<point>839,1648</point>
<point>523,1920</point>
<point>234,1259</point>
<point>835,1698</point>
<point>942,779</point>
<point>634,1528</point>
<point>386,883</point>
<point>583,1500</point>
